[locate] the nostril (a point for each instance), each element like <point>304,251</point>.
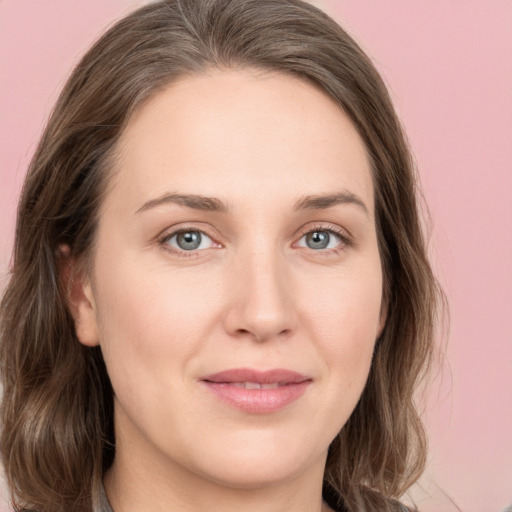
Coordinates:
<point>261,335</point>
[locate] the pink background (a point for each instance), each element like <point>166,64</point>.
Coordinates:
<point>449,66</point>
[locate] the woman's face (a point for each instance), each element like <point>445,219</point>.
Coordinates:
<point>236,287</point>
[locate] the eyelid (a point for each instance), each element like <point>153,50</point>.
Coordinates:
<point>173,231</point>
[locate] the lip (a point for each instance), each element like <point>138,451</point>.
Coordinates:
<point>227,386</point>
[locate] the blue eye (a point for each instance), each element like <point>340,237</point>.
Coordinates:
<point>320,239</point>
<point>189,240</point>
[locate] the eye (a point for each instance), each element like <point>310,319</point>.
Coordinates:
<point>189,240</point>
<point>321,239</point>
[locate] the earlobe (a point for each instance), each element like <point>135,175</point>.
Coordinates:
<point>382,318</point>
<point>382,324</point>
<point>80,297</point>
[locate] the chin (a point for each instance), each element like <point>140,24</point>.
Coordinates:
<point>261,463</point>
<point>253,476</point>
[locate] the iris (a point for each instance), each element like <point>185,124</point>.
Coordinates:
<point>318,239</point>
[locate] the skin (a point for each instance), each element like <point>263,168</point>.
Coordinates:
<point>254,295</point>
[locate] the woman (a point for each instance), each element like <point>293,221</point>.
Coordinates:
<point>220,296</point>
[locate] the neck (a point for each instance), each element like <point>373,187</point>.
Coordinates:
<point>142,483</point>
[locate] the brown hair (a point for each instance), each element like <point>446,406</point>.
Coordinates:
<point>57,412</point>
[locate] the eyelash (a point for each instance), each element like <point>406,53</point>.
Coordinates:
<point>163,242</point>
<point>343,236</point>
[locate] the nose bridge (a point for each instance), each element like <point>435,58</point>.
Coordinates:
<point>263,303</point>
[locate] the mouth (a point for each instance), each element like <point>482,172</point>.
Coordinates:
<point>256,385</point>
<point>255,391</point>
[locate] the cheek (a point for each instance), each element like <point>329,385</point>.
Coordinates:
<point>344,319</point>
<point>151,321</point>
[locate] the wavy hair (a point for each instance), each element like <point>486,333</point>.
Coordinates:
<point>57,435</point>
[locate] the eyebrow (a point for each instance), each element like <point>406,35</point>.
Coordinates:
<point>324,201</point>
<point>213,204</point>
<point>197,202</point>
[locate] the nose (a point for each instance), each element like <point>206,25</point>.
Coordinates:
<point>261,305</point>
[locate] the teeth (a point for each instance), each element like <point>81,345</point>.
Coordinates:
<point>255,385</point>
<point>270,386</point>
<point>252,385</point>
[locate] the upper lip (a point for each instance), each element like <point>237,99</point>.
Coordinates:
<point>279,375</point>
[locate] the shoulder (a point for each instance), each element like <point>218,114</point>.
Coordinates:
<point>336,502</point>
<point>333,498</point>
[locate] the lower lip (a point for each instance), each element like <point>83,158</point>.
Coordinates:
<point>259,401</point>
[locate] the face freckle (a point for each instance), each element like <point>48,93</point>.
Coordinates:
<point>224,162</point>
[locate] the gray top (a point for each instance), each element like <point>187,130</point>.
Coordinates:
<point>104,504</point>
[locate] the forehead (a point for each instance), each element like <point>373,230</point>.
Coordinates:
<point>239,134</point>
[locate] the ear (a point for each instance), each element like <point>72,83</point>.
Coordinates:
<point>80,297</point>
<point>383,316</point>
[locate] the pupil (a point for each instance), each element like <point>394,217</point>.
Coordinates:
<point>317,240</point>
<point>189,240</point>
